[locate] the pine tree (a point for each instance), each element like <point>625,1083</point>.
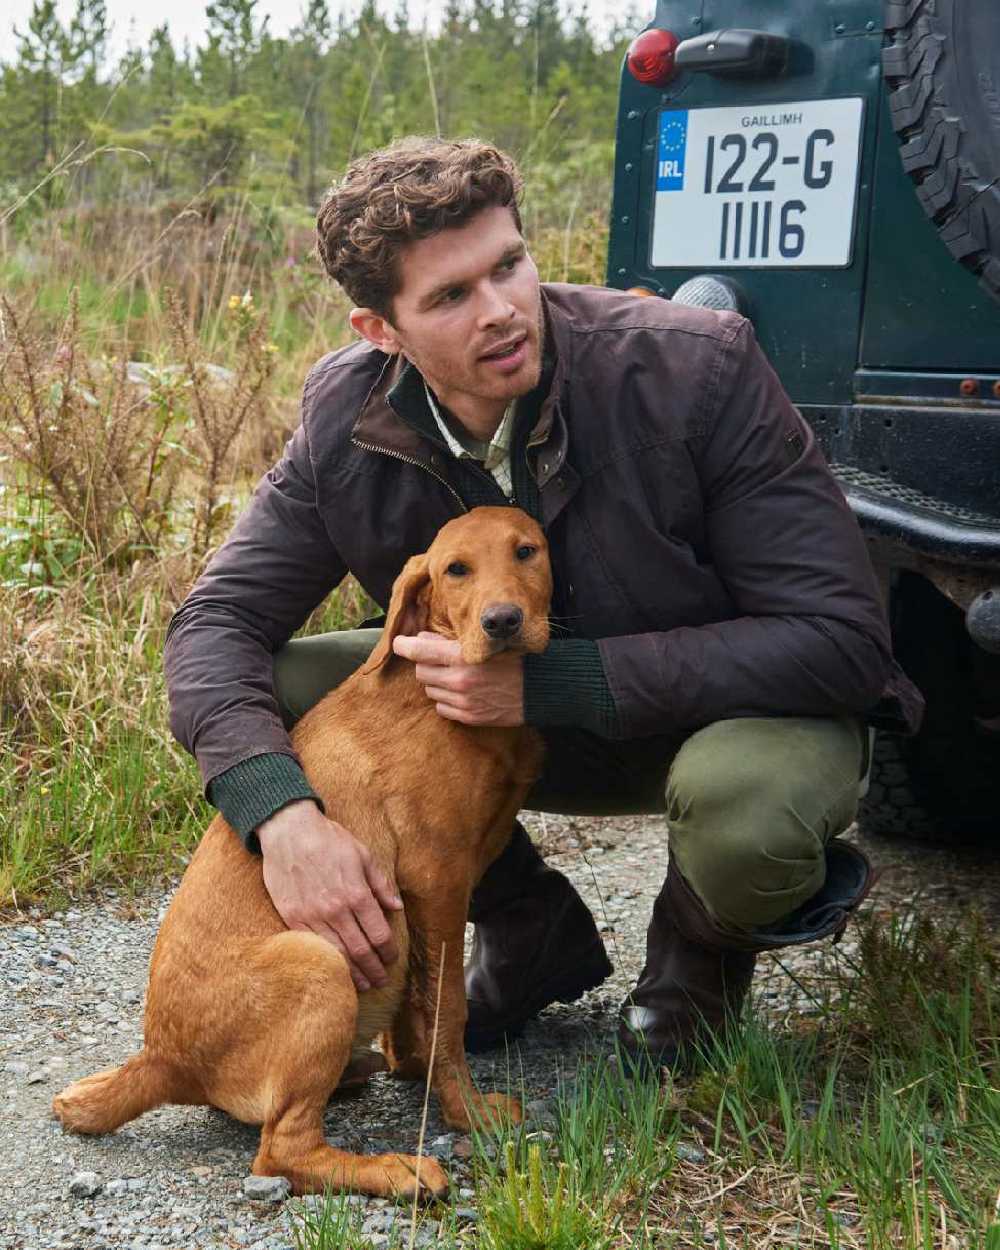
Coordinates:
<point>311,40</point>
<point>164,72</point>
<point>88,34</point>
<point>41,52</point>
<point>233,32</point>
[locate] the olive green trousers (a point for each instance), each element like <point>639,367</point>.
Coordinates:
<point>750,802</point>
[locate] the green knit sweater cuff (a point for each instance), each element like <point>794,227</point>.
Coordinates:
<point>254,789</point>
<point>566,686</point>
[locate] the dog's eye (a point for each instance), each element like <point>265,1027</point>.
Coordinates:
<point>523,553</point>
<point>457,568</point>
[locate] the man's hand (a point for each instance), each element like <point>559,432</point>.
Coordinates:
<point>475,694</point>
<point>322,880</point>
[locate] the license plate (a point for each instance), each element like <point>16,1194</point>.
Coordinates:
<point>764,186</point>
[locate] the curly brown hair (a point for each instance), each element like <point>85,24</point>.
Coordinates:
<point>401,193</point>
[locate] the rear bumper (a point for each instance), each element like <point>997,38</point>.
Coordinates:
<point>925,524</point>
<point>923,480</point>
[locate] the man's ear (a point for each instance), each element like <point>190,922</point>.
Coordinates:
<point>376,329</point>
<point>409,609</point>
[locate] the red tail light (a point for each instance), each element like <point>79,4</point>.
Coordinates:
<point>650,57</point>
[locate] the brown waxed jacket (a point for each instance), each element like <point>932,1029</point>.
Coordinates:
<point>695,532</point>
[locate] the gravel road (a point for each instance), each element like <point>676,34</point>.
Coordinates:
<point>71,991</point>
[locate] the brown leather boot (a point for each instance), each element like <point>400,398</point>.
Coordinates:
<point>697,973</point>
<point>535,943</point>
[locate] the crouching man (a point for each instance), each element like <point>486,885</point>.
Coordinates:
<point>719,641</point>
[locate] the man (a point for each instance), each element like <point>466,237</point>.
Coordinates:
<point>719,633</point>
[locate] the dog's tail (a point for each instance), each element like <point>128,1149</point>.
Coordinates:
<point>108,1099</point>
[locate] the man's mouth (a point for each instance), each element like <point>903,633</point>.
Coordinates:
<point>505,350</point>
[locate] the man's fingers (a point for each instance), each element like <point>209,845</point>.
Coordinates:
<point>428,649</point>
<point>330,935</point>
<point>371,919</point>
<point>441,694</point>
<point>451,677</point>
<point>359,951</point>
<point>383,889</point>
<point>453,713</point>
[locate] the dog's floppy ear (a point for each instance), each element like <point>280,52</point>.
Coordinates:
<point>409,609</point>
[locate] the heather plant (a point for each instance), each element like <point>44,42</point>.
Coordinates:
<point>102,443</point>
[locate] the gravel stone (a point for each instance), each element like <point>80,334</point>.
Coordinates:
<point>463,1148</point>
<point>183,1167</point>
<point>266,1188</point>
<point>85,1185</point>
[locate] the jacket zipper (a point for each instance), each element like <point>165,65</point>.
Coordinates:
<point>398,455</point>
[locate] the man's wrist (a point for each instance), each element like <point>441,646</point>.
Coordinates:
<point>566,686</point>
<point>277,826</point>
<point>252,791</point>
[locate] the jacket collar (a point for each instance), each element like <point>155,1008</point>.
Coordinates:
<point>384,424</point>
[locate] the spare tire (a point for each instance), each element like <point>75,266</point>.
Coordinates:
<point>941,63</point>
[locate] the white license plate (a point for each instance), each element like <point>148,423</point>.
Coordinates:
<point>763,186</point>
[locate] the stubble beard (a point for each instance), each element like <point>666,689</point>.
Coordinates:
<point>525,388</point>
<point>452,380</point>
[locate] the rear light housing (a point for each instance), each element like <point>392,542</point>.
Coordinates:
<point>650,57</point>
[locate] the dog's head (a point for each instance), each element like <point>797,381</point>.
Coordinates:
<point>485,581</point>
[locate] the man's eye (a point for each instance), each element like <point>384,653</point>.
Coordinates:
<point>457,568</point>
<point>452,296</point>
<point>510,262</point>
<point>523,553</point>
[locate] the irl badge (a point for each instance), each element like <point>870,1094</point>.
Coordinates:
<point>670,155</point>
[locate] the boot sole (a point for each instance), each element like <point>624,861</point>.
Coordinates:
<point>566,990</point>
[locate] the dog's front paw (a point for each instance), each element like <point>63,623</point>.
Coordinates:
<point>408,1177</point>
<point>483,1111</point>
<point>500,1109</point>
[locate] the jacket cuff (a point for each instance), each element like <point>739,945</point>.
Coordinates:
<point>566,686</point>
<point>254,789</point>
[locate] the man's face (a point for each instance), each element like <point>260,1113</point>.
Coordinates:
<point>467,294</point>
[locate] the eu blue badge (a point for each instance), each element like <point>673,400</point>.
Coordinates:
<point>670,155</point>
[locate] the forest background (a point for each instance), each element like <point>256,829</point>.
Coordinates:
<point>160,305</point>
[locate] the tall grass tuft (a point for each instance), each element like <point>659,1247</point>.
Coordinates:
<point>108,443</point>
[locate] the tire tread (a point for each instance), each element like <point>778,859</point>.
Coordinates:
<point>962,202</point>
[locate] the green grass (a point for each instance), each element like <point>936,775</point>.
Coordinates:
<point>93,787</point>
<point>850,1135</point>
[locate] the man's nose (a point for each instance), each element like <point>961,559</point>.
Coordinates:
<point>494,306</point>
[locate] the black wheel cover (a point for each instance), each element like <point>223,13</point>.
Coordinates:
<point>953,762</point>
<point>941,63</point>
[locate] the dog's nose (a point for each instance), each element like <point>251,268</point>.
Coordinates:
<point>501,620</point>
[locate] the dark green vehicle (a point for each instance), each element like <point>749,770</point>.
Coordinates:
<point>832,170</point>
